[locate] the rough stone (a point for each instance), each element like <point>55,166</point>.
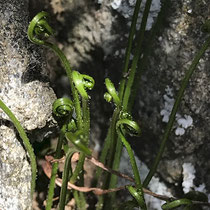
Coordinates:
<point>24,86</point>
<point>179,43</point>
<point>25,89</point>
<point>15,173</point>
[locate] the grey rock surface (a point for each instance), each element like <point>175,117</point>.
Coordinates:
<point>24,88</point>
<point>24,80</point>
<point>172,55</point>
<point>15,173</point>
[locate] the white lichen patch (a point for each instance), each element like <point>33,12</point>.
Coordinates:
<point>188,176</point>
<point>116,4</point>
<point>185,122</point>
<point>179,131</point>
<point>159,188</point>
<point>168,104</point>
<point>182,122</point>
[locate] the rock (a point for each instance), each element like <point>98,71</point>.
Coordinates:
<point>25,89</point>
<point>178,42</point>
<point>15,173</point>
<point>24,86</point>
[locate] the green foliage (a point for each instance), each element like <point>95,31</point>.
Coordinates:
<point>76,131</point>
<point>121,123</point>
<point>176,203</point>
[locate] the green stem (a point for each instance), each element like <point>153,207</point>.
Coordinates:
<point>68,69</point>
<point>80,200</point>
<point>137,54</point>
<point>55,169</point>
<point>110,141</point>
<point>117,153</point>
<point>113,138</point>
<point>157,26</point>
<point>50,194</point>
<point>82,82</point>
<point>86,130</point>
<point>128,87</point>
<point>76,197</point>
<point>135,127</point>
<point>174,111</point>
<point>77,139</point>
<point>79,168</point>
<point>108,152</point>
<point>26,143</point>
<point>108,148</point>
<point>125,98</point>
<point>65,178</point>
<point>132,160</point>
<point>115,166</point>
<point>129,47</point>
<point>86,119</point>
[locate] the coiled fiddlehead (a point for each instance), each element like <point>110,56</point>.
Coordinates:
<point>63,107</point>
<point>39,29</point>
<point>83,82</point>
<point>131,127</point>
<point>112,93</point>
<point>38,32</point>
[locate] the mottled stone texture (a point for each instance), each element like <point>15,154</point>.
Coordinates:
<point>24,88</point>
<point>15,173</point>
<point>173,51</point>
